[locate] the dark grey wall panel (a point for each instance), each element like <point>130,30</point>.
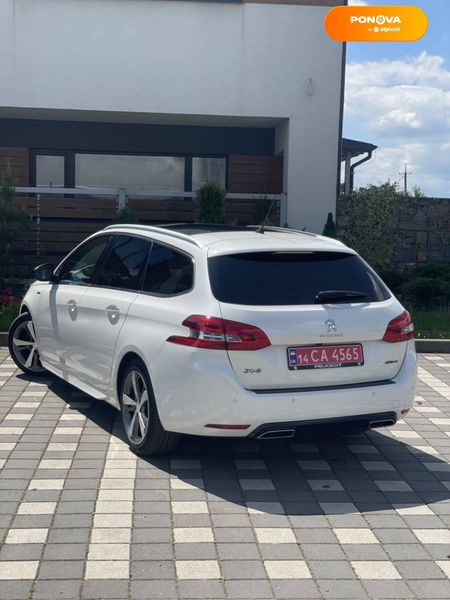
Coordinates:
<point>125,137</point>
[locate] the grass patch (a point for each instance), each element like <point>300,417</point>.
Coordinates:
<point>7,316</point>
<point>433,324</point>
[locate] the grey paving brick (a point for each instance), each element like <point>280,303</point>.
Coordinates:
<point>422,569</point>
<point>365,552</point>
<point>202,551</point>
<point>63,552</point>
<point>153,569</point>
<point>15,590</point>
<point>230,551</point>
<point>148,590</point>
<point>280,552</point>
<point>323,551</point>
<point>152,535</point>
<point>72,535</point>
<point>153,551</point>
<point>340,590</point>
<point>21,552</point>
<point>67,589</point>
<point>394,590</point>
<point>430,589</point>
<point>69,569</point>
<point>248,569</point>
<point>201,589</point>
<point>93,590</point>
<point>331,569</point>
<point>411,552</point>
<point>249,589</point>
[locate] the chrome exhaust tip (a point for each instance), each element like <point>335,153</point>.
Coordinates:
<point>276,434</point>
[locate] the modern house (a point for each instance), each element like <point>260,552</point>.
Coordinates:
<point>137,99</point>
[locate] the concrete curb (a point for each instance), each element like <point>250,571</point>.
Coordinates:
<point>433,346</point>
<point>429,346</point>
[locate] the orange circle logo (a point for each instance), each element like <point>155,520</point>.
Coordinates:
<point>376,23</point>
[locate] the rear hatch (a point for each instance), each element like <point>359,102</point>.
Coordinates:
<point>279,293</point>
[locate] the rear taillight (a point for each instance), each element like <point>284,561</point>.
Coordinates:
<point>219,334</point>
<point>400,329</point>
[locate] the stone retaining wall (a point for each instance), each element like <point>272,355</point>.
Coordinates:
<point>420,226</point>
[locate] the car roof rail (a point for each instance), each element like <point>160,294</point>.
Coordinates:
<point>150,228</point>
<point>281,229</point>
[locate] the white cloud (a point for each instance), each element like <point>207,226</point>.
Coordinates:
<point>403,106</point>
<point>357,3</point>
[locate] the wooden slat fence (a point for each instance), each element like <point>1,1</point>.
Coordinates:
<point>59,223</point>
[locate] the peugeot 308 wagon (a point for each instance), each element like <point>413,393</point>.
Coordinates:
<point>220,331</point>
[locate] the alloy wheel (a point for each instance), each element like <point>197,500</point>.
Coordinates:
<point>25,347</point>
<point>135,406</point>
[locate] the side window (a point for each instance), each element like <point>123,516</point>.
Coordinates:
<point>168,272</point>
<point>124,263</point>
<point>80,266</point>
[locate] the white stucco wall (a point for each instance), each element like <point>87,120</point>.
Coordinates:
<point>186,58</point>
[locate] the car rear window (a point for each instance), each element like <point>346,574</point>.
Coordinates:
<point>290,278</point>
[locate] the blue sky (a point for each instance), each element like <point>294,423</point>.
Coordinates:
<point>398,97</point>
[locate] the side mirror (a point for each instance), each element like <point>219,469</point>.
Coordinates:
<point>44,272</point>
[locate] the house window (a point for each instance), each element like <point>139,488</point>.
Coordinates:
<point>134,173</point>
<point>49,170</point>
<point>205,169</point>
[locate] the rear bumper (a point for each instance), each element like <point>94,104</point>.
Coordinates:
<point>211,394</point>
<point>288,429</point>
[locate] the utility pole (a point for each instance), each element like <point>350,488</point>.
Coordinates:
<point>405,174</point>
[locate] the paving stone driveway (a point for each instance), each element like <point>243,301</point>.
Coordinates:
<point>320,517</point>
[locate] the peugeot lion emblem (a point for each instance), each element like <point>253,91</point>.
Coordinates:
<point>331,324</point>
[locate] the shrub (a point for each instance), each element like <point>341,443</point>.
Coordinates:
<point>369,232</point>
<point>211,203</point>
<point>125,215</point>
<point>330,227</point>
<point>427,291</point>
<point>441,271</point>
<point>393,279</point>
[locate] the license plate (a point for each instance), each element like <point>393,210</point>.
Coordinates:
<point>325,357</point>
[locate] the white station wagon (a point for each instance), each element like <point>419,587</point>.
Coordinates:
<point>220,331</point>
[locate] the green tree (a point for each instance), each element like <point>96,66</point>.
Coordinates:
<point>211,203</point>
<point>329,229</point>
<point>369,232</point>
<point>14,222</point>
<point>418,192</point>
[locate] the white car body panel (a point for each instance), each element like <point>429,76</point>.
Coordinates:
<point>194,387</point>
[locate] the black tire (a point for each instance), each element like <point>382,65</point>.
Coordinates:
<point>22,346</point>
<point>137,408</point>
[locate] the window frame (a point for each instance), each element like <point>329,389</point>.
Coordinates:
<point>105,256</point>
<point>175,249</point>
<point>69,163</point>
<point>226,158</point>
<point>61,265</point>
<point>69,176</point>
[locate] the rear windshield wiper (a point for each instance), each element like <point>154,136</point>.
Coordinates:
<point>330,296</point>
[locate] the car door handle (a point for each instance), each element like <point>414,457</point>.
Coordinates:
<point>72,306</point>
<point>113,314</point>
